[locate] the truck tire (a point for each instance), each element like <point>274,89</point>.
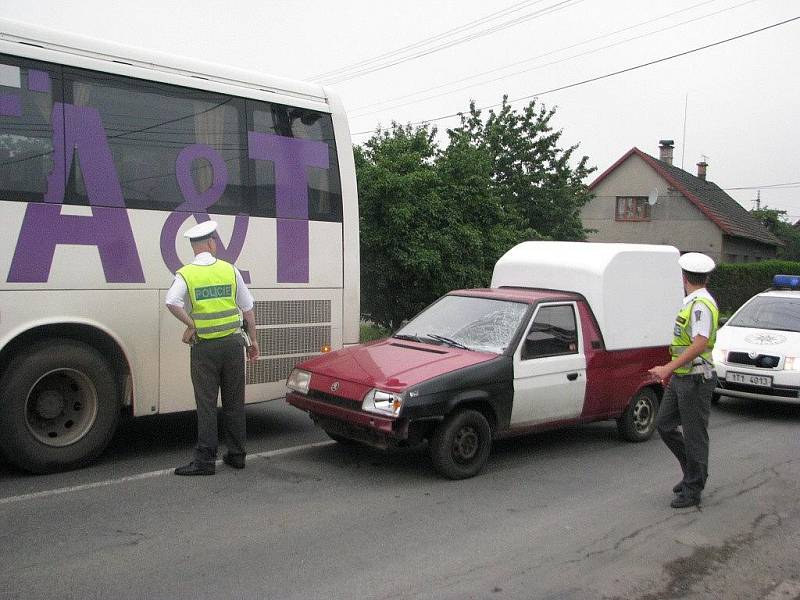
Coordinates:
<point>59,406</point>
<point>638,422</point>
<point>461,444</point>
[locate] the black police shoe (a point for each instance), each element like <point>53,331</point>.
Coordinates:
<point>196,468</point>
<point>685,500</point>
<point>234,460</point>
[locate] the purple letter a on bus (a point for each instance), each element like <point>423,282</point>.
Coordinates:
<point>44,227</point>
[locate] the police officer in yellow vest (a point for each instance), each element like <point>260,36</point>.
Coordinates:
<point>687,399</point>
<point>216,293</point>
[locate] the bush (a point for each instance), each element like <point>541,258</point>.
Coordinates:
<point>733,284</point>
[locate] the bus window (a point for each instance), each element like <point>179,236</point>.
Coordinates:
<point>324,185</point>
<point>148,126</point>
<point>27,91</point>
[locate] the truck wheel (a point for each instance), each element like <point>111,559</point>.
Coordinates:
<point>58,406</point>
<point>638,422</point>
<point>460,445</point>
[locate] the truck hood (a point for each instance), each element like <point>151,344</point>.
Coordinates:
<point>760,341</point>
<point>392,364</point>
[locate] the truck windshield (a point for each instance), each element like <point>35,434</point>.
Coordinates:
<point>769,312</point>
<point>480,324</point>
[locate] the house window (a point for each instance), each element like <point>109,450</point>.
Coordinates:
<point>632,208</point>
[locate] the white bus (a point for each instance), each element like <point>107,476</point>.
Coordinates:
<point>107,154</point>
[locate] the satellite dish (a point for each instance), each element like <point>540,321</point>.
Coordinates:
<point>652,198</point>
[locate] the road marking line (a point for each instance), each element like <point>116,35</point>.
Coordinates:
<point>149,475</point>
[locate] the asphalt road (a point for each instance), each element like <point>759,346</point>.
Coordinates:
<point>574,514</point>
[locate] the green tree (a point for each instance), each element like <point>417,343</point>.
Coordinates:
<point>401,216</point>
<point>531,173</point>
<point>435,219</point>
<point>778,224</point>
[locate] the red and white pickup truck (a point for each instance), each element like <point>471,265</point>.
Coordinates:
<point>566,334</point>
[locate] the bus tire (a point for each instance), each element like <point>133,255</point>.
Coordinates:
<point>460,445</point>
<point>59,406</point>
<point>638,422</point>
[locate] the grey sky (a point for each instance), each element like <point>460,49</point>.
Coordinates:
<point>742,96</point>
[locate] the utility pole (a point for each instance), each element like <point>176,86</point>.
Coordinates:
<point>758,200</point>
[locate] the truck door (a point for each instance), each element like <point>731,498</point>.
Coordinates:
<point>550,367</point>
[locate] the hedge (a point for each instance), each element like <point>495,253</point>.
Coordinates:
<point>732,284</point>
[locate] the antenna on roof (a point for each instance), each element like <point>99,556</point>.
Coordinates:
<point>683,141</point>
<point>757,200</point>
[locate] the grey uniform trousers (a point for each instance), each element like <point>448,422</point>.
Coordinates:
<point>217,367</point>
<point>687,402</point>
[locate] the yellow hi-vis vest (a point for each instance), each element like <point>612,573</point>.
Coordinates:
<point>683,335</point>
<point>212,291</point>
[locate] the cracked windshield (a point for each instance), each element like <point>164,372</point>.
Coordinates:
<point>471,323</point>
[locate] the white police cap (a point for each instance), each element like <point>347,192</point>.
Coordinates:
<point>695,262</point>
<point>201,231</point>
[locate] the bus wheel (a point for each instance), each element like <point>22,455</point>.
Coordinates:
<point>58,406</point>
<point>460,445</point>
<point>638,422</point>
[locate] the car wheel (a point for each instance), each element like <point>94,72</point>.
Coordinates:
<point>59,407</point>
<point>638,422</point>
<point>460,445</point>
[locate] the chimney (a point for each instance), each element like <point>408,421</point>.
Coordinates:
<point>701,169</point>
<point>666,146</point>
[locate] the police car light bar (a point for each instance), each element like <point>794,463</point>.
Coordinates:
<point>786,282</point>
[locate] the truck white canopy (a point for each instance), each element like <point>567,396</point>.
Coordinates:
<point>634,290</point>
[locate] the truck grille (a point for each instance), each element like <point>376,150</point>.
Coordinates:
<point>334,400</point>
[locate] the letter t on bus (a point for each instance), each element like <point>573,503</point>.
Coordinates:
<point>291,157</point>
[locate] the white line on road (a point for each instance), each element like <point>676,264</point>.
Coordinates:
<point>149,475</point>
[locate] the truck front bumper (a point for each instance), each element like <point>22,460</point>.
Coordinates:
<point>358,425</point>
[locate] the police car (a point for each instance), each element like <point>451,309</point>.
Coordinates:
<point>757,352</point>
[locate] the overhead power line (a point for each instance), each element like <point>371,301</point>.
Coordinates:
<point>466,26</point>
<point>449,44</point>
<point>605,76</point>
<point>788,185</point>
<point>360,111</point>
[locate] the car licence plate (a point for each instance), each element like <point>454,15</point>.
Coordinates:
<point>759,380</point>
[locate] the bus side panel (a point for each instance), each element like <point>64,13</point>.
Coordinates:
<point>350,237</point>
<point>128,316</point>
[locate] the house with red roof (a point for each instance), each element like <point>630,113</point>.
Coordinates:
<point>647,200</point>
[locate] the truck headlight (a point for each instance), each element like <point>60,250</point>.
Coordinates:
<point>792,363</point>
<point>719,355</point>
<point>384,403</point>
<point>299,381</point>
